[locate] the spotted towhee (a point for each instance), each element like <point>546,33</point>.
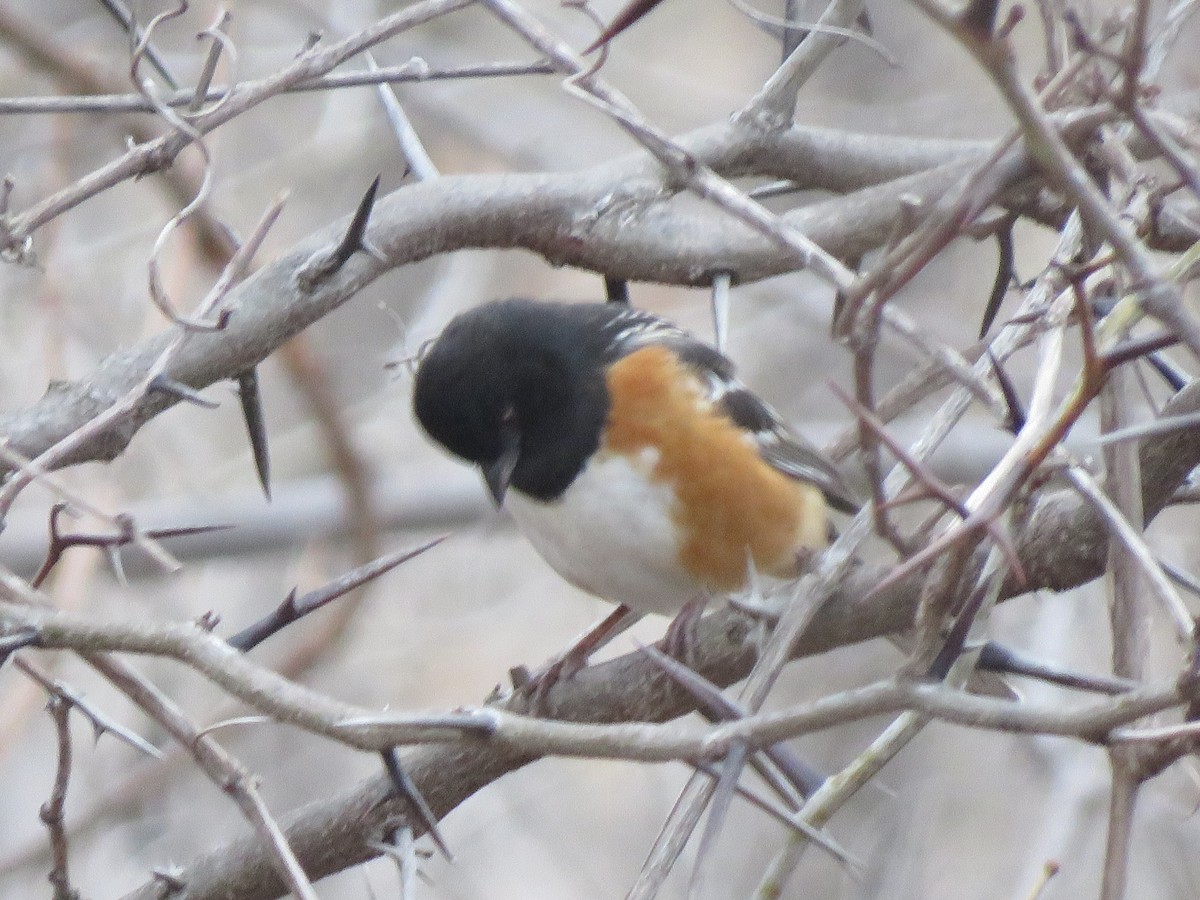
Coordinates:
<point>626,451</point>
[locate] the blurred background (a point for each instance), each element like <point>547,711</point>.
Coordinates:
<point>958,814</point>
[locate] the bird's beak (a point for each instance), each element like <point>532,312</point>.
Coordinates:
<point>499,473</point>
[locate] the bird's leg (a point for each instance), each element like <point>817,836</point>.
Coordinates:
<point>680,639</point>
<point>538,684</point>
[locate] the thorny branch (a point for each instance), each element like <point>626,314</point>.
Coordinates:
<point>1079,158</point>
<point>51,812</point>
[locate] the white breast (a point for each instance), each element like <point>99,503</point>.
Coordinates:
<point>611,534</point>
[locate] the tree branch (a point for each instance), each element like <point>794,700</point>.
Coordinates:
<point>1063,544</point>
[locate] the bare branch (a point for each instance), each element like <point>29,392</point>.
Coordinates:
<point>51,812</point>
<point>413,72</point>
<point>774,105</point>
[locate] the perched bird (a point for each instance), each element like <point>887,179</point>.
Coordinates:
<point>626,451</point>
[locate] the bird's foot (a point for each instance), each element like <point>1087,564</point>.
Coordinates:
<point>680,640</point>
<point>535,686</point>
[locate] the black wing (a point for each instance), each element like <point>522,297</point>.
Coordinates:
<point>785,450</point>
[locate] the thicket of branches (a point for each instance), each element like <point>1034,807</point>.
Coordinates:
<point>1086,204</point>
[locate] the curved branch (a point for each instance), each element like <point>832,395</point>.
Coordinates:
<point>618,218</point>
<point>612,218</point>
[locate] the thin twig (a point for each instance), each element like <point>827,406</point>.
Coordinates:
<point>1129,537</point>
<point>774,104</point>
<point>158,153</point>
<point>224,771</point>
<point>419,162</point>
<point>51,812</point>
<point>294,608</point>
<point>680,164</point>
<point>39,468</point>
<point>415,71</point>
<point>1155,295</point>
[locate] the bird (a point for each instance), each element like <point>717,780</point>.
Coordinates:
<point>626,451</point>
